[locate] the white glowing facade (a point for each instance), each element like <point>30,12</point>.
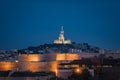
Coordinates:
<point>61,39</point>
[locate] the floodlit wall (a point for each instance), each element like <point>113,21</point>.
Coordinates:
<point>30,57</point>
<point>67,56</point>
<point>37,57</point>
<point>49,57</point>
<point>43,62</point>
<point>38,62</point>
<point>36,66</point>
<point>6,66</point>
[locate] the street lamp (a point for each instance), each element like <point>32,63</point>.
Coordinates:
<point>78,70</point>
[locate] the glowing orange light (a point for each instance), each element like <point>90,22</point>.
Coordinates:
<point>5,66</point>
<point>78,70</point>
<point>33,57</point>
<point>60,57</point>
<point>56,72</point>
<point>67,56</point>
<point>29,57</point>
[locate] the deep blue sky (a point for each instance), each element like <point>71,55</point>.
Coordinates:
<point>26,23</point>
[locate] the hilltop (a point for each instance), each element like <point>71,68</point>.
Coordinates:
<point>61,48</point>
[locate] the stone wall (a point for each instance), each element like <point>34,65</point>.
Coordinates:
<point>48,57</point>
<point>7,65</point>
<point>36,66</point>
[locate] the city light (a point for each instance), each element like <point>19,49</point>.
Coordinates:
<point>16,60</point>
<point>78,70</point>
<point>56,72</point>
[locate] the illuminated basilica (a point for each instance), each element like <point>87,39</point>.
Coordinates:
<point>61,39</point>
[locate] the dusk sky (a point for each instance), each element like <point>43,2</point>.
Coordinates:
<point>26,23</point>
